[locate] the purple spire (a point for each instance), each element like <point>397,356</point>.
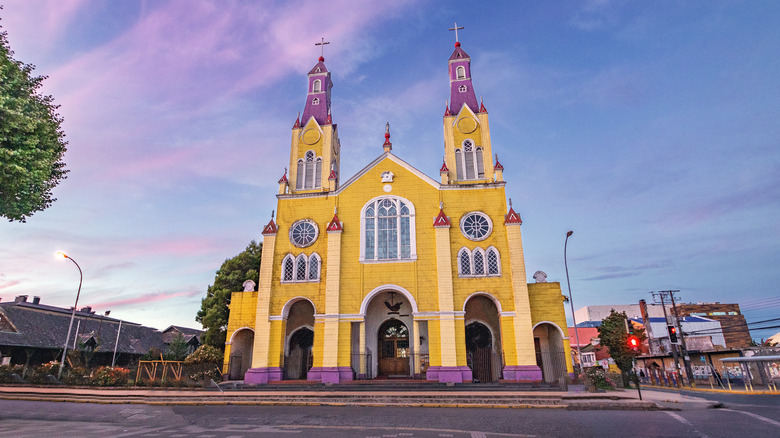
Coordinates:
<point>318,96</point>
<point>461,89</point>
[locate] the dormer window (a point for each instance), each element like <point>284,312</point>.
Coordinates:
<point>315,101</point>
<point>462,88</point>
<point>460,72</point>
<point>317,88</point>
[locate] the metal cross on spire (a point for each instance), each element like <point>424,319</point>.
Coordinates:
<point>456,28</point>
<point>322,46</point>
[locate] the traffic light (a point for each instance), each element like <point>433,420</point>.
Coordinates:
<point>633,343</point>
<point>672,334</point>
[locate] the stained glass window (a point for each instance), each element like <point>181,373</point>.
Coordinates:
<point>388,227</point>
<point>476,226</point>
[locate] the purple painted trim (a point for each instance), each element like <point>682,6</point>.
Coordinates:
<point>449,374</point>
<point>523,373</point>
<point>330,374</point>
<point>262,376</point>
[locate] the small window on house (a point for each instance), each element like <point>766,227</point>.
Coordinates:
<point>317,86</point>
<point>462,88</point>
<point>315,101</point>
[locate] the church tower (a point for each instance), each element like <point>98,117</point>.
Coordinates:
<point>315,147</point>
<point>467,150</point>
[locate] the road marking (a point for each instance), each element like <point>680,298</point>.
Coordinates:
<point>478,435</point>
<point>756,416</point>
<point>686,422</point>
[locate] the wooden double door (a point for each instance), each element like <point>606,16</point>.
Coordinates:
<point>394,352</point>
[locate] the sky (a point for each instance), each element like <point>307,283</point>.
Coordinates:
<point>650,129</point>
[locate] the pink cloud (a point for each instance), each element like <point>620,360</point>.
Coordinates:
<point>146,298</point>
<point>9,283</point>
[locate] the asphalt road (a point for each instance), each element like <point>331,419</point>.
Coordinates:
<point>48,419</point>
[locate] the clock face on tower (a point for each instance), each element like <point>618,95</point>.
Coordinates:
<point>303,233</point>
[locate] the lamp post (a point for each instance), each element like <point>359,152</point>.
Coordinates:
<point>72,314</point>
<point>571,301</point>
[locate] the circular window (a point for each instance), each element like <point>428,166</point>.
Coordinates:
<point>303,233</point>
<point>476,226</point>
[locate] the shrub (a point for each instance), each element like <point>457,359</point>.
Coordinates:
<point>41,372</point>
<point>7,372</point>
<point>205,354</point>
<point>107,376</point>
<point>596,377</point>
<point>77,375</point>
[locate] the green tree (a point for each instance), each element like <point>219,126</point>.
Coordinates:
<point>213,313</point>
<point>613,335</point>
<point>32,142</point>
<point>177,349</point>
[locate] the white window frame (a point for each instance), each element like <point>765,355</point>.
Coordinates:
<point>483,253</point>
<point>373,258</point>
<point>316,86</point>
<point>309,171</point>
<point>308,261</point>
<point>463,88</point>
<point>315,101</point>
<point>471,163</point>
<point>460,72</point>
<point>489,221</point>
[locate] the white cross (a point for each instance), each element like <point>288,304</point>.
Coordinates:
<point>456,30</point>
<point>322,46</point>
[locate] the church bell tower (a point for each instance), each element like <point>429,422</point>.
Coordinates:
<point>467,150</point>
<point>315,146</point>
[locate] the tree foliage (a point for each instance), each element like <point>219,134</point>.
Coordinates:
<point>32,142</point>
<point>213,313</point>
<point>177,349</point>
<point>613,335</point>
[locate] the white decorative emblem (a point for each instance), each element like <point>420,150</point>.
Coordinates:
<point>249,286</point>
<point>387,177</point>
<point>540,277</point>
<point>387,188</point>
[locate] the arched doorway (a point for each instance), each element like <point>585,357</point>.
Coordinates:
<point>394,352</point>
<point>479,352</point>
<point>550,356</point>
<point>240,353</point>
<point>483,337</point>
<point>299,359</point>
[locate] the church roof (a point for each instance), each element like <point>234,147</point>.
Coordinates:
<point>321,66</point>
<point>459,53</point>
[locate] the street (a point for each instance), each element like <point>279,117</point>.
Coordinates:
<point>752,415</point>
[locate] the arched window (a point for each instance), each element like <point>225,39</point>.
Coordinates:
<point>463,88</point>
<point>470,160</point>
<point>309,171</point>
<point>479,263</point>
<point>317,87</point>
<point>287,268</point>
<point>301,269</point>
<point>493,262</point>
<point>460,72</point>
<point>388,230</point>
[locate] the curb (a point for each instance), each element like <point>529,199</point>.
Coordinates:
<point>720,391</point>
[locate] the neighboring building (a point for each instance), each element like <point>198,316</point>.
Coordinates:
<point>735,328</point>
<point>33,333</point>
<point>774,339</point>
<point>393,273</point>
<point>191,336</point>
<point>597,313</point>
<point>701,334</point>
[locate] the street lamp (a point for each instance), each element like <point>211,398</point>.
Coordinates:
<point>571,301</point>
<point>72,314</point>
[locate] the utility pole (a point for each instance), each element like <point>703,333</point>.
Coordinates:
<point>661,295</point>
<point>686,358</point>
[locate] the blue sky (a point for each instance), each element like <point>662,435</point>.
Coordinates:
<point>648,128</point>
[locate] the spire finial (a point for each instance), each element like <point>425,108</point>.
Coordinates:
<point>335,209</point>
<point>456,28</point>
<point>510,202</point>
<point>272,215</point>
<point>441,205</point>
<point>322,48</point>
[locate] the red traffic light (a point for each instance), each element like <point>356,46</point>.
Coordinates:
<point>633,342</point>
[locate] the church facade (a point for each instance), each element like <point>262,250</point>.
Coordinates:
<point>392,273</point>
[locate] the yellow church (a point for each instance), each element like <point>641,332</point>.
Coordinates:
<point>392,273</point>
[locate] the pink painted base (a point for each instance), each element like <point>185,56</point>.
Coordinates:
<point>262,376</point>
<point>449,374</point>
<point>330,374</point>
<point>523,373</point>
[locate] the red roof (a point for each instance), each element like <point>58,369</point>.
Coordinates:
<point>585,334</point>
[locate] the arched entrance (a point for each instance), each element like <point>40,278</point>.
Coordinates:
<point>299,359</point>
<point>299,316</point>
<point>240,353</point>
<point>550,356</point>
<point>393,348</point>
<point>483,338</point>
<point>479,352</point>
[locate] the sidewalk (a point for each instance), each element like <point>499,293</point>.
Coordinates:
<point>472,398</point>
